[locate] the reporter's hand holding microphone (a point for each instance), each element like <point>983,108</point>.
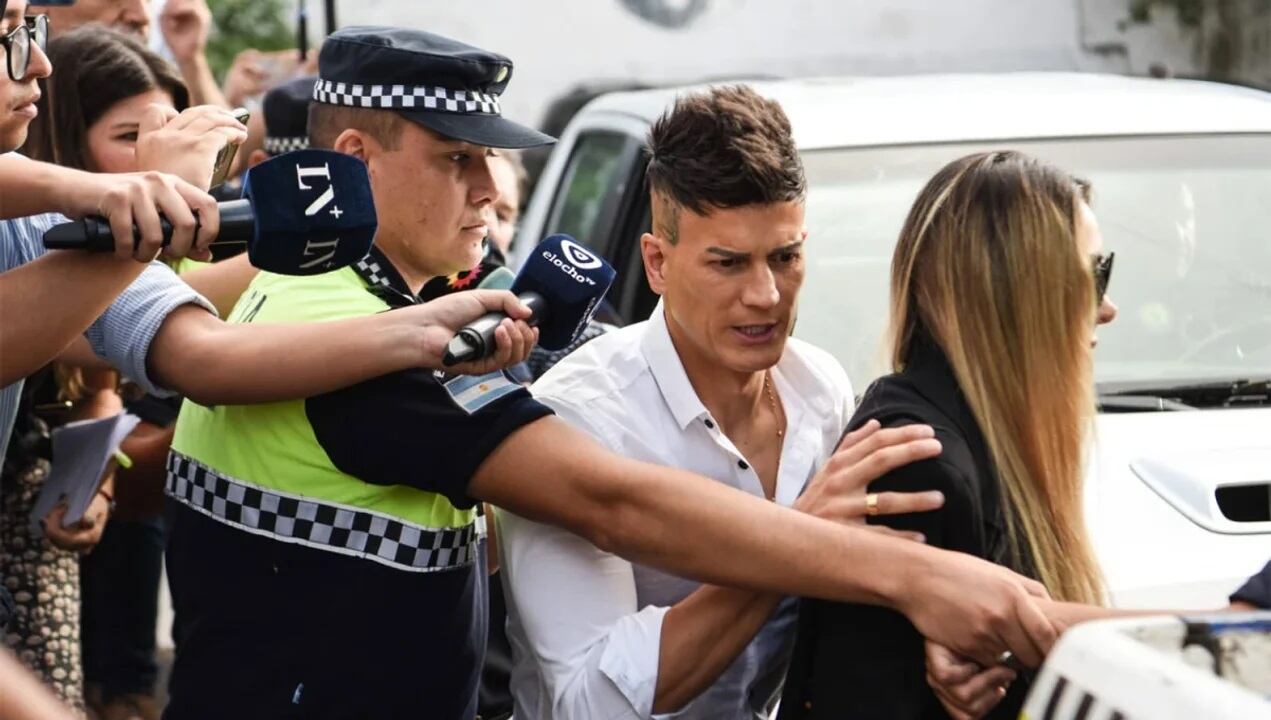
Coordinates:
<point>180,151</point>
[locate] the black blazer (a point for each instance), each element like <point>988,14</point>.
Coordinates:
<point>863,661</point>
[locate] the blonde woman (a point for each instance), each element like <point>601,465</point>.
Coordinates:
<point>997,285</point>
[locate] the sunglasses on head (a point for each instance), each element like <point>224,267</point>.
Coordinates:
<point>18,41</point>
<point>1102,268</point>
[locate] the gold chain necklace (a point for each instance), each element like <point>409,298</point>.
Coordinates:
<point>772,400</point>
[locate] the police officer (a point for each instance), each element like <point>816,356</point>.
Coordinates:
<point>286,110</point>
<point>322,552</point>
<point>310,571</point>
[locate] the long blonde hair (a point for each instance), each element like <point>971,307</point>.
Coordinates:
<point>988,265</point>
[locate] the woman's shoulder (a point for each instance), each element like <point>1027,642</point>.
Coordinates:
<point>894,401</point>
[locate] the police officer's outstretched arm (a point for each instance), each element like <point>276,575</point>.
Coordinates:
<point>698,528</point>
<point>215,363</point>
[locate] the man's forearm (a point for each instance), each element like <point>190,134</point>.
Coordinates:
<point>215,363</point>
<point>49,301</point>
<point>697,528</point>
<point>701,636</point>
<point>29,187</point>
<point>549,472</point>
<point>198,77</point>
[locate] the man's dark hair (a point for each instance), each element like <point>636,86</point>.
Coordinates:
<point>723,148</point>
<point>326,122</point>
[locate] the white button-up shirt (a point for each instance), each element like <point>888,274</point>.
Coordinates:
<point>585,625</point>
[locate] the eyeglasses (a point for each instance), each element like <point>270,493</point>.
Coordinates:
<point>17,44</point>
<point>1102,267</point>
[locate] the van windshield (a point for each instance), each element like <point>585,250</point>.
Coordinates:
<point>1189,218</point>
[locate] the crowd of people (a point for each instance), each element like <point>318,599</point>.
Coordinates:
<point>690,516</point>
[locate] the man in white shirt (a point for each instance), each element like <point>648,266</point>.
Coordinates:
<point>711,383</point>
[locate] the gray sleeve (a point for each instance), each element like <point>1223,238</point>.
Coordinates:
<point>122,335</point>
<point>22,239</point>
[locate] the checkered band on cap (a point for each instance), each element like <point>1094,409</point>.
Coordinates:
<point>406,97</point>
<point>318,524</point>
<point>280,145</point>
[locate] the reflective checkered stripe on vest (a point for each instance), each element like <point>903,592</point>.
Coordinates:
<point>260,469</point>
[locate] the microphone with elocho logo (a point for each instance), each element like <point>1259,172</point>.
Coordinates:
<point>302,213</point>
<point>561,282</point>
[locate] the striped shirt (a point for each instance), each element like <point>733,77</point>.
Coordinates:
<point>122,334</point>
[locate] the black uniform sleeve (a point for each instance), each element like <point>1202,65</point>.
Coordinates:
<point>1257,591</point>
<point>406,429</point>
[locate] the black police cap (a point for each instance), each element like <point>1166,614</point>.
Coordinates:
<point>442,84</point>
<point>286,109</point>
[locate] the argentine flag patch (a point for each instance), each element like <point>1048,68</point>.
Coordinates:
<point>471,393</point>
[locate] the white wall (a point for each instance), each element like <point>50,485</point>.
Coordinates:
<point>555,44</point>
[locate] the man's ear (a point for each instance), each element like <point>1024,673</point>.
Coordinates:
<point>356,143</point>
<point>257,157</point>
<point>654,251</point>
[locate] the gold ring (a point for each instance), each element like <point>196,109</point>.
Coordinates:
<point>871,503</point>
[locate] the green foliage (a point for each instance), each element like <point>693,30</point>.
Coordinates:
<point>242,24</point>
<point>1190,12</point>
<point>1223,31</point>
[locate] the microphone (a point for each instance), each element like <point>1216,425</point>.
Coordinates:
<point>499,278</point>
<point>561,282</point>
<point>305,212</point>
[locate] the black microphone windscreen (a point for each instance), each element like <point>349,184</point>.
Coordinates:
<point>572,281</point>
<point>314,212</point>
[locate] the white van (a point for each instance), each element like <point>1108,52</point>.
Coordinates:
<point>1179,487</point>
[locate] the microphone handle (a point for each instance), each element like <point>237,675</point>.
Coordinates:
<point>238,224</point>
<point>478,335</point>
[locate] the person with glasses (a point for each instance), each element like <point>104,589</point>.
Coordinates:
<point>80,285</point>
<point>998,282</point>
<point>17,43</point>
<point>99,113</point>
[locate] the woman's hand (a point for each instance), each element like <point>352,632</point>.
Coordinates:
<point>83,536</point>
<point>186,144</point>
<point>965,689</point>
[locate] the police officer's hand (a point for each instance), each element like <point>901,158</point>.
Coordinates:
<point>975,608</point>
<point>965,688</point>
<point>443,317</point>
<point>838,491</point>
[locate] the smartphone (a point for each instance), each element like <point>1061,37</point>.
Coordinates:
<point>225,157</point>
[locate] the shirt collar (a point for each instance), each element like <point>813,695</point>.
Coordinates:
<point>383,281</point>
<point>668,370</point>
